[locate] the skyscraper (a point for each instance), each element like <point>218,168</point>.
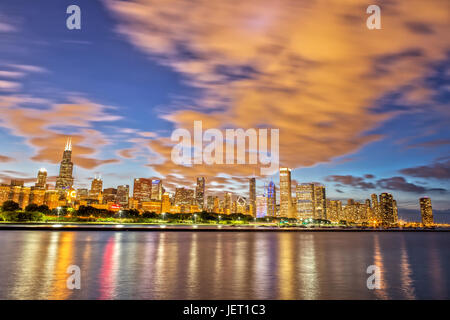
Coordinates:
<point>271,199</point>
<point>320,203</point>
<point>184,197</point>
<point>96,187</point>
<point>82,194</point>
<point>285,193</point>
<point>227,208</point>
<point>41,179</point>
<point>386,207</point>
<point>216,205</point>
<point>142,189</point>
<point>375,207</point>
<point>252,196</point>
<point>334,210</point>
<point>370,211</point>
<point>200,192</point>
<point>157,189</point>
<point>210,204</point>
<point>241,205</point>
<point>261,206</point>
<point>395,210</point>
<point>305,201</point>
<point>165,203</point>
<point>109,195</point>
<point>123,193</point>
<point>65,180</point>
<point>426,211</point>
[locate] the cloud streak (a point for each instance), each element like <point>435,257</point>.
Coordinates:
<point>46,129</point>
<point>438,170</point>
<point>393,183</point>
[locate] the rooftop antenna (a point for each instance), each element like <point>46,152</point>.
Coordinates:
<point>68,144</point>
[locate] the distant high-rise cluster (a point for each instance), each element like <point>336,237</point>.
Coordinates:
<point>308,203</point>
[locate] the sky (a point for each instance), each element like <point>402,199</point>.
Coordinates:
<point>360,111</point>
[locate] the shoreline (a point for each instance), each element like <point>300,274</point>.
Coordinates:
<point>194,228</point>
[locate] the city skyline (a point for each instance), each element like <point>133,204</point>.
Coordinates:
<point>216,157</point>
<point>309,201</point>
<point>356,119</point>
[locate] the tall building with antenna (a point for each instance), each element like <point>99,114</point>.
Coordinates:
<point>64,181</point>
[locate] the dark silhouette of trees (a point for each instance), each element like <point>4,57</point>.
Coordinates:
<point>31,207</point>
<point>149,215</point>
<point>10,206</point>
<point>43,208</point>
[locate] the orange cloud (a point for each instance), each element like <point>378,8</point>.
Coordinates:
<point>308,68</point>
<point>5,159</point>
<point>47,129</point>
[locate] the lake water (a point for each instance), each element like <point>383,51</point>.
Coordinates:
<point>221,265</point>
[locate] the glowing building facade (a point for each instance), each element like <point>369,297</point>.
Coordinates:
<point>142,189</point>
<point>261,206</point>
<point>252,196</point>
<point>123,194</point>
<point>227,204</point>
<point>271,194</point>
<point>426,211</point>
<point>184,197</point>
<point>386,209</point>
<point>96,188</point>
<point>320,202</point>
<point>200,192</point>
<point>285,193</point>
<point>305,201</point>
<point>41,179</point>
<point>157,189</point>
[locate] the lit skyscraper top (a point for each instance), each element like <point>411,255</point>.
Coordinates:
<point>65,179</point>
<point>68,145</point>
